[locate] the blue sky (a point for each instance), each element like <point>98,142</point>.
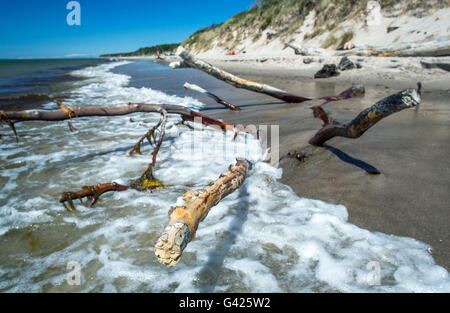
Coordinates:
<point>38,28</point>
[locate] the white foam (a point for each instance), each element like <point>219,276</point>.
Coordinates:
<point>261,238</point>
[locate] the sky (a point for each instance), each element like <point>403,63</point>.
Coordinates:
<point>39,28</point>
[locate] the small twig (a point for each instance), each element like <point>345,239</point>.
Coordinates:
<point>5,119</point>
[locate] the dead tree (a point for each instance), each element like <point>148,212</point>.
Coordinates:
<point>190,61</point>
<point>184,220</point>
<point>211,95</point>
<point>357,127</point>
<point>147,181</point>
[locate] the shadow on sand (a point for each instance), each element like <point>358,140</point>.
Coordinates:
<point>351,160</point>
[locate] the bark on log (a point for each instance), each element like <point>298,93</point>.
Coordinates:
<point>184,220</point>
<point>236,81</point>
<point>87,111</point>
<point>357,127</point>
<point>211,95</point>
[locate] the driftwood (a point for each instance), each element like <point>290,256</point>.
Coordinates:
<point>354,91</point>
<point>308,51</point>
<point>357,127</point>
<point>211,95</point>
<point>90,192</point>
<point>351,92</point>
<point>87,111</point>
<point>184,220</point>
<point>146,181</point>
<point>436,47</point>
<point>191,61</point>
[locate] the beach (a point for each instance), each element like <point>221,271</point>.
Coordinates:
<point>315,226</point>
<point>410,197</point>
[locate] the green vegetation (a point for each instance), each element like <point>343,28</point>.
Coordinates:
<point>330,41</point>
<point>145,51</point>
<point>266,23</point>
<point>347,36</point>
<point>285,17</point>
<point>334,42</point>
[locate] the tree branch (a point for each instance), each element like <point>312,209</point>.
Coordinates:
<point>90,192</point>
<point>184,220</point>
<point>211,95</point>
<point>190,60</point>
<point>130,108</point>
<point>357,127</point>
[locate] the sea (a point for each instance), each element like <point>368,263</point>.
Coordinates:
<point>261,238</point>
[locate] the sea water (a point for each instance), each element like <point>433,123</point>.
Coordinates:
<point>261,238</point>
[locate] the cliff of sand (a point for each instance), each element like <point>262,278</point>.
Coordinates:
<point>269,25</point>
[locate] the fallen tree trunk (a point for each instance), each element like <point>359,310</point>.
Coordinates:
<point>187,114</point>
<point>357,127</point>
<point>184,220</point>
<point>190,60</point>
<point>146,181</point>
<point>211,95</point>
<point>308,51</point>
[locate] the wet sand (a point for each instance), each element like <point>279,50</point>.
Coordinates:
<point>410,197</point>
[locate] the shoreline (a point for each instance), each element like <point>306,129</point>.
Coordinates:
<point>409,198</point>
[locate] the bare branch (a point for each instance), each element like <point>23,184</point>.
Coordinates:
<point>90,192</point>
<point>211,95</point>
<point>236,81</point>
<point>357,127</point>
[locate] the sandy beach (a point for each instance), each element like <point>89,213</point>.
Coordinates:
<point>410,197</point>
<point>126,167</point>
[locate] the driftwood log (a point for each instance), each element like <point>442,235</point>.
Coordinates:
<point>188,60</point>
<point>308,51</point>
<point>357,127</point>
<point>87,111</point>
<point>211,95</point>
<point>146,181</point>
<point>191,61</point>
<point>436,47</point>
<point>184,220</point>
<point>354,91</point>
